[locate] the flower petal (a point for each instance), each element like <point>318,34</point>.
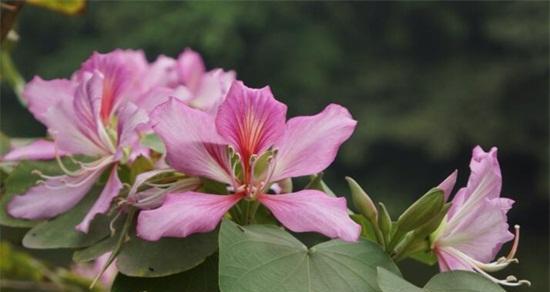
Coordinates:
<point>311,143</point>
<point>38,150</point>
<point>311,210</point>
<point>191,141</point>
<point>212,90</point>
<point>448,184</point>
<point>54,196</point>
<point>250,119</point>
<point>110,191</point>
<point>448,262</point>
<point>190,69</point>
<point>132,121</point>
<point>183,214</point>
<point>485,181</point>
<point>43,94</point>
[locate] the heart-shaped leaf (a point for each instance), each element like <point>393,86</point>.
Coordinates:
<point>267,258</point>
<point>61,232</point>
<point>203,278</point>
<point>167,256</point>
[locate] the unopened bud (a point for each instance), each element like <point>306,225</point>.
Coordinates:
<point>362,201</point>
<point>421,211</point>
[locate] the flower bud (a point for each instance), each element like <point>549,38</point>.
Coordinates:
<point>362,201</point>
<point>421,211</point>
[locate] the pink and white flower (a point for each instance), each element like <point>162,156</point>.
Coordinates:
<point>91,114</point>
<point>475,227</point>
<point>249,145</point>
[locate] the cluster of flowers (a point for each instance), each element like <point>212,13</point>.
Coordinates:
<point>214,127</point>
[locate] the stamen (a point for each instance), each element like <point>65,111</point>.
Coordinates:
<point>515,244</point>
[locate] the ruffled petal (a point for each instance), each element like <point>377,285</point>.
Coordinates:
<point>191,141</point>
<point>250,119</point>
<point>54,196</point>
<point>38,150</point>
<point>311,143</point>
<point>311,210</point>
<point>43,94</point>
<point>183,214</point>
<point>110,191</point>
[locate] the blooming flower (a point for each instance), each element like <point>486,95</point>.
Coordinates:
<point>90,114</point>
<point>249,146</point>
<point>475,226</point>
<point>187,79</point>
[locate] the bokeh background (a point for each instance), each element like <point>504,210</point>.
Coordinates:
<point>427,82</point>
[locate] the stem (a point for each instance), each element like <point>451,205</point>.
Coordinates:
<point>120,242</point>
<point>246,216</point>
<point>13,77</point>
<point>252,215</point>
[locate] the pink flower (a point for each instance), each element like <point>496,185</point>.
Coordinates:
<point>476,227</point>
<point>91,114</point>
<point>249,146</point>
<point>187,79</point>
<point>91,270</point>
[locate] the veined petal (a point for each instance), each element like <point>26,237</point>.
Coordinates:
<point>481,233</point>
<point>54,196</point>
<point>131,122</point>
<point>448,262</point>
<point>190,69</point>
<point>311,143</point>
<point>38,150</point>
<point>43,94</point>
<point>191,141</point>
<point>63,125</point>
<point>103,202</point>
<point>250,119</point>
<point>183,214</point>
<point>212,90</point>
<point>311,210</point>
<point>485,181</point>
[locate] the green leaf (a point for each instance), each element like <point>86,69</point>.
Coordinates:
<point>167,256</point>
<point>4,144</point>
<point>456,281</point>
<point>18,182</point>
<point>461,281</point>
<point>203,278</point>
<point>153,142</point>
<point>95,250</point>
<point>266,258</point>
<point>390,282</point>
<point>61,233</point>
<point>425,257</point>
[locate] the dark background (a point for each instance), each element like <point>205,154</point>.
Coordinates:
<point>426,81</point>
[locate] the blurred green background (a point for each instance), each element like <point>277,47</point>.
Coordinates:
<point>426,81</point>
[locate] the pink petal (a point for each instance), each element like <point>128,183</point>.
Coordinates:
<point>481,232</point>
<point>448,262</point>
<point>43,94</point>
<point>110,191</point>
<point>132,121</point>
<point>183,214</point>
<point>191,141</point>
<point>190,68</point>
<point>485,181</point>
<point>38,150</point>
<point>311,210</point>
<point>311,143</point>
<point>63,125</point>
<point>162,73</point>
<point>448,184</point>
<point>250,119</point>
<point>212,90</point>
<point>53,197</point>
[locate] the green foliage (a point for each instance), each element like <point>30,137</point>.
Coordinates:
<point>167,256</point>
<point>457,281</point>
<point>266,258</point>
<point>203,278</point>
<point>61,233</point>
